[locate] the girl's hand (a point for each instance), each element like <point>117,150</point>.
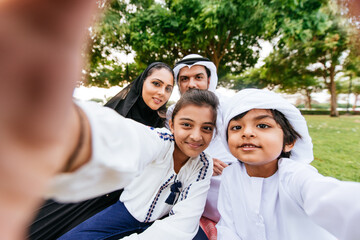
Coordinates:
<point>218,167</point>
<point>40,63</point>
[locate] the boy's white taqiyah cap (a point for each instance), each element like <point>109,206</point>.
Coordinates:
<point>196,59</point>
<point>248,99</point>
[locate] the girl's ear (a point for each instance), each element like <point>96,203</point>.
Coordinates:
<point>288,147</point>
<point>171,126</point>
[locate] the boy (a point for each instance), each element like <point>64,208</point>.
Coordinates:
<point>272,192</point>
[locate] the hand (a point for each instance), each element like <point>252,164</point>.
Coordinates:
<point>218,167</point>
<point>40,63</point>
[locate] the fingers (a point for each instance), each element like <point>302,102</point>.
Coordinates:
<point>218,166</point>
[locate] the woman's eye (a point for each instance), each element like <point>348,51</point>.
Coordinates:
<point>157,84</point>
<point>186,124</point>
<point>262,125</point>
<point>169,89</point>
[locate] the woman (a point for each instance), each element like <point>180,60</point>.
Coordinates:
<point>144,100</point>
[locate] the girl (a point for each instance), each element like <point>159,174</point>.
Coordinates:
<point>143,100</point>
<point>166,176</point>
<point>273,192</point>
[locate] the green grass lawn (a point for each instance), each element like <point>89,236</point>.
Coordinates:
<point>336,145</point>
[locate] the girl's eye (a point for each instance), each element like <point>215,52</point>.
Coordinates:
<point>208,128</point>
<point>186,124</point>
<point>236,128</point>
<point>262,125</point>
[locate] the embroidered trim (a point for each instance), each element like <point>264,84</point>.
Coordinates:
<point>164,136</point>
<point>184,193</point>
<point>154,202</point>
<point>202,174</point>
<point>204,169</point>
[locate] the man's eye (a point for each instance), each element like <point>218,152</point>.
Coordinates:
<point>262,125</point>
<point>183,79</point>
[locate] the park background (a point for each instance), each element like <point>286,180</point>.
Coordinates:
<point>307,50</point>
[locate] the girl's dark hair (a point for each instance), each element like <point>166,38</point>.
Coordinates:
<point>290,135</point>
<point>199,98</point>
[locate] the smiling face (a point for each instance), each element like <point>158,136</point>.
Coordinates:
<point>256,139</point>
<point>157,88</point>
<point>194,77</point>
<point>193,128</point>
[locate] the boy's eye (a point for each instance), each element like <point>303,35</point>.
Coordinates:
<point>262,125</point>
<point>235,128</point>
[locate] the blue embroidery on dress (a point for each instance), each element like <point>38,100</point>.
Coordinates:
<point>202,174</point>
<point>152,206</point>
<point>164,135</point>
<point>204,169</point>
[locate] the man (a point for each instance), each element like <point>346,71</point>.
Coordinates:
<point>195,71</point>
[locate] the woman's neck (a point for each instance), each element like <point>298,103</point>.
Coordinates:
<point>179,159</point>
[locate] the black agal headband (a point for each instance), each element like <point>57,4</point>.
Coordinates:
<point>190,61</point>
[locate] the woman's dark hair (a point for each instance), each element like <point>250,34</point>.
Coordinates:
<point>157,66</point>
<point>198,98</point>
<point>162,110</point>
<point>290,135</point>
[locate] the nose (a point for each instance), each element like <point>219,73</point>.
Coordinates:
<point>248,132</point>
<point>161,91</point>
<point>192,83</point>
<point>195,135</point>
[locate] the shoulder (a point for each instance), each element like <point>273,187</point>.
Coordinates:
<point>231,170</point>
<point>163,134</point>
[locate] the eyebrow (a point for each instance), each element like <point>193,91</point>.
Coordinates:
<point>264,116</point>
<point>189,119</point>
<point>162,81</point>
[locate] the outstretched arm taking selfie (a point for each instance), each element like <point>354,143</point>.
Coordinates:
<point>40,63</point>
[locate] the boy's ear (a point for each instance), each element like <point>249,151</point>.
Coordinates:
<point>288,147</point>
<point>171,126</point>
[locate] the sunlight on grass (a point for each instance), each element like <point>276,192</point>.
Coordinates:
<point>336,145</point>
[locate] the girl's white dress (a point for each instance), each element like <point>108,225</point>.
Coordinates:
<point>129,155</point>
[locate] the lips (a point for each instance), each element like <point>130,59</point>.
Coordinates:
<point>157,100</point>
<point>195,145</point>
<point>249,146</point>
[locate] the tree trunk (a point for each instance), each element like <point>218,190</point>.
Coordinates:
<point>333,97</point>
<point>355,102</point>
<point>308,100</point>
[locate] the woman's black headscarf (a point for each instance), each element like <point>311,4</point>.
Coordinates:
<point>54,219</point>
<point>130,104</point>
